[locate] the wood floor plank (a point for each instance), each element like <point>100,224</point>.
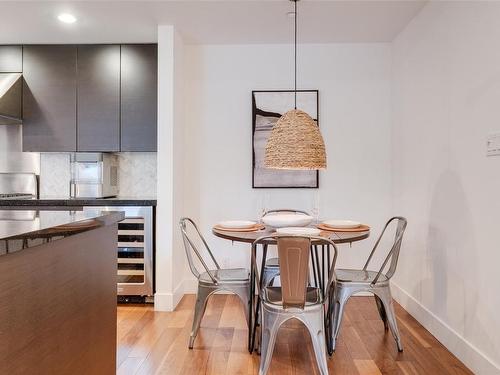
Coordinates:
<point>129,366</point>
<point>367,367</point>
<point>408,368</point>
<point>354,343</point>
<point>159,350</point>
<point>233,314</point>
<point>178,353</point>
<point>217,362</point>
<point>151,342</point>
<point>341,362</point>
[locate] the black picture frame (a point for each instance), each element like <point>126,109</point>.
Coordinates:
<point>255,112</point>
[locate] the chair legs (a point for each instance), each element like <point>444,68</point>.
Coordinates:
<point>340,297</point>
<point>381,311</point>
<point>386,298</point>
<point>243,292</point>
<point>385,307</point>
<point>204,292</point>
<point>272,321</point>
<point>199,311</point>
<point>315,325</point>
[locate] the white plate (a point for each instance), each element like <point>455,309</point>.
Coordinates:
<point>344,224</point>
<point>287,220</point>
<point>237,224</point>
<point>297,231</point>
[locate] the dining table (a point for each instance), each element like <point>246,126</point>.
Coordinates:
<point>321,265</point>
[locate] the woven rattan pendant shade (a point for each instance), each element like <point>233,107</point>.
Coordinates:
<point>295,143</point>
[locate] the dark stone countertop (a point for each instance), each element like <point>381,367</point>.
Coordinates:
<point>78,202</point>
<point>25,229</point>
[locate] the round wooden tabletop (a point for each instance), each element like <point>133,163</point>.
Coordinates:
<point>249,237</point>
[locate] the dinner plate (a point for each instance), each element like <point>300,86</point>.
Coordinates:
<point>236,224</point>
<point>342,224</point>
<point>299,231</point>
<point>287,220</point>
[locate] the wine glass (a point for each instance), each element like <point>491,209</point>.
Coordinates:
<point>264,203</point>
<point>315,206</point>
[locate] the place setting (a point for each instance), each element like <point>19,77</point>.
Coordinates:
<point>239,226</point>
<point>291,223</point>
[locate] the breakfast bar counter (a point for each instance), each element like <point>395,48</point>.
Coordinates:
<point>58,277</point>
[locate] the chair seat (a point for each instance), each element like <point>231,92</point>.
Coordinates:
<point>226,275</point>
<point>358,276</point>
<point>273,295</point>
<point>273,262</point>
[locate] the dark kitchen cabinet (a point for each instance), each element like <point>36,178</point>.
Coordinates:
<point>92,98</point>
<point>138,97</point>
<point>98,98</point>
<point>49,98</point>
<point>11,59</point>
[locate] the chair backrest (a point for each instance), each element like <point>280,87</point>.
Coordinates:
<point>293,254</point>
<point>294,257</point>
<point>191,248</point>
<point>393,254</point>
<point>284,210</point>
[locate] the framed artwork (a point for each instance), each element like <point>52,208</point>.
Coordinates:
<point>267,108</point>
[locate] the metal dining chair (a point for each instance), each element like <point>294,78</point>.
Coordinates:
<point>272,267</point>
<point>351,281</point>
<point>235,280</point>
<point>294,299</point>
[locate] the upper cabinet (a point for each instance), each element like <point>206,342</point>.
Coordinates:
<point>89,98</point>
<point>139,97</point>
<point>49,98</point>
<point>98,98</point>
<point>11,59</point>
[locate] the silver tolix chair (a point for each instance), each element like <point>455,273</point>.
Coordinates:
<point>272,267</point>
<point>235,280</point>
<point>350,281</point>
<point>294,299</point>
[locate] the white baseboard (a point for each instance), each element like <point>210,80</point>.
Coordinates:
<point>168,301</point>
<point>163,301</point>
<point>471,356</point>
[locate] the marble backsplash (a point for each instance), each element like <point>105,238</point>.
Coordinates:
<point>136,174</point>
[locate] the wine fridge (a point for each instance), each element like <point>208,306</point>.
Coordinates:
<point>134,253</point>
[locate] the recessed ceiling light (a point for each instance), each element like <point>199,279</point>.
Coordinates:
<point>66,18</point>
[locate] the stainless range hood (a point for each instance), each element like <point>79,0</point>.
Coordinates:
<point>10,98</point>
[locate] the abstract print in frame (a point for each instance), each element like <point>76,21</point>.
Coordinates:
<point>267,108</point>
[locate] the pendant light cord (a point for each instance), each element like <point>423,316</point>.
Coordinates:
<point>295,52</point>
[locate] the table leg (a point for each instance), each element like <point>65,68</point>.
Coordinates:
<point>320,281</point>
<point>251,301</point>
<point>314,267</point>
<point>257,305</point>
<point>325,278</point>
<point>329,308</point>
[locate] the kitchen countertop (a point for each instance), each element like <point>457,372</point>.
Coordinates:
<point>76,202</point>
<point>44,226</point>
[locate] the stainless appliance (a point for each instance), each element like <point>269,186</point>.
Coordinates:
<point>134,251</point>
<point>94,175</point>
<point>10,98</point>
<point>18,186</point>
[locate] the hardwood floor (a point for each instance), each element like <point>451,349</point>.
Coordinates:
<point>152,342</point>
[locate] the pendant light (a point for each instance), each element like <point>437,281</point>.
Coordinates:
<point>295,141</point>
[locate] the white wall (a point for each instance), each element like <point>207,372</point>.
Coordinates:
<point>446,99</point>
<point>170,262</point>
<point>354,87</point>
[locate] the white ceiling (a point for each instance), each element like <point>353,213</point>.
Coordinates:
<point>211,22</point>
